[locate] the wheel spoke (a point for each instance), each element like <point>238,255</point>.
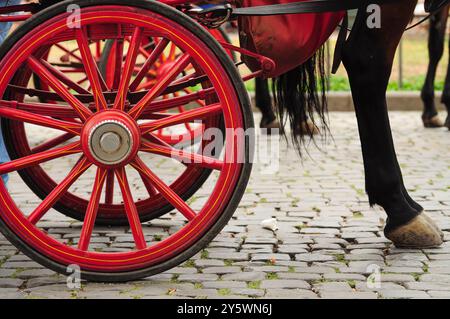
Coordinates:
<point>161,85</point>
<point>109,189</point>
<point>149,63</point>
<point>69,53</point>
<point>173,50</point>
<point>40,120</point>
<point>165,190</point>
<point>130,209</point>
<point>117,63</point>
<point>151,190</point>
<point>56,111</point>
<point>35,159</point>
<point>130,62</point>
<point>182,156</point>
<point>82,165</point>
<point>92,209</point>
<point>52,81</point>
<point>64,79</point>
<point>52,143</point>
<point>181,118</point>
<point>164,105</point>
<point>90,67</point>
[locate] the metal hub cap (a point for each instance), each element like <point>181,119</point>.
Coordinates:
<point>110,142</point>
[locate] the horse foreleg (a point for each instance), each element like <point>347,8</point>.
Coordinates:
<point>436,39</point>
<point>446,92</point>
<point>368,56</point>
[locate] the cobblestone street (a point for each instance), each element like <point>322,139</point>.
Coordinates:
<point>328,243</point>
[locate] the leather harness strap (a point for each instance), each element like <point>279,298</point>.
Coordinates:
<point>342,37</point>
<point>321,6</point>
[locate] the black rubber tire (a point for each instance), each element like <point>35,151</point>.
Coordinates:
<point>241,93</point>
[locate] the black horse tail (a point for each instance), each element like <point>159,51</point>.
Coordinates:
<point>300,97</point>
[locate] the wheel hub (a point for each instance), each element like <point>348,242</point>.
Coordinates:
<point>111,138</point>
<point>110,142</point>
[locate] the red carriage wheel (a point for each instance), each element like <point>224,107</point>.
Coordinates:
<point>69,61</point>
<point>114,136</point>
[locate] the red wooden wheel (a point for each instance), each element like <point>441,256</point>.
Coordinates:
<point>114,136</point>
<point>65,58</point>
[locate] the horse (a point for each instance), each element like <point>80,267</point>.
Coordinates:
<point>437,31</point>
<point>367,56</point>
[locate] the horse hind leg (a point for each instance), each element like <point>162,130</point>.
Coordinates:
<point>368,56</point>
<point>263,102</point>
<point>436,39</point>
<point>446,93</point>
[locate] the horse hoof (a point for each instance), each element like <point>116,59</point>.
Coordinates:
<point>420,232</point>
<point>432,122</point>
<point>447,122</point>
<point>272,127</point>
<point>308,127</point>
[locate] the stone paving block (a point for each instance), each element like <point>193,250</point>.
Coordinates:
<point>348,295</point>
<point>404,294</point>
<point>284,284</point>
<point>267,268</point>
<point>10,283</point>
<point>427,286</point>
<point>435,278</point>
<point>397,278</point>
<point>209,263</point>
<point>221,270</point>
<point>299,276</point>
<point>314,270</point>
<point>290,294</point>
<point>269,257</point>
<point>247,292</point>
<point>225,284</point>
<point>332,287</point>
<point>313,257</point>
<point>245,276</point>
<point>32,273</point>
<point>344,277</point>
<point>197,277</point>
<point>11,293</point>
<point>439,294</point>
<point>228,256</point>
<point>292,249</point>
<point>363,286</point>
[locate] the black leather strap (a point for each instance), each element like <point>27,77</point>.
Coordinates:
<point>311,6</point>
<point>342,37</point>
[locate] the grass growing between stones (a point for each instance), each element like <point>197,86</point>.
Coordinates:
<point>189,264</point>
<point>272,276</point>
<point>254,284</point>
<point>204,254</point>
<point>198,285</point>
<point>224,292</point>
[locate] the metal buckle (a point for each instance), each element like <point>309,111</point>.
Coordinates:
<point>212,17</point>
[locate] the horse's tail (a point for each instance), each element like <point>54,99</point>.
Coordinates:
<point>300,96</point>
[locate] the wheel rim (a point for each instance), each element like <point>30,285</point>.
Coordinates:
<point>145,253</point>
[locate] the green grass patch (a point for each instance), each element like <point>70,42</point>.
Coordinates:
<point>272,276</point>
<point>254,284</point>
<point>224,292</point>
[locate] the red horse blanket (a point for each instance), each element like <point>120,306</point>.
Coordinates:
<point>289,40</point>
